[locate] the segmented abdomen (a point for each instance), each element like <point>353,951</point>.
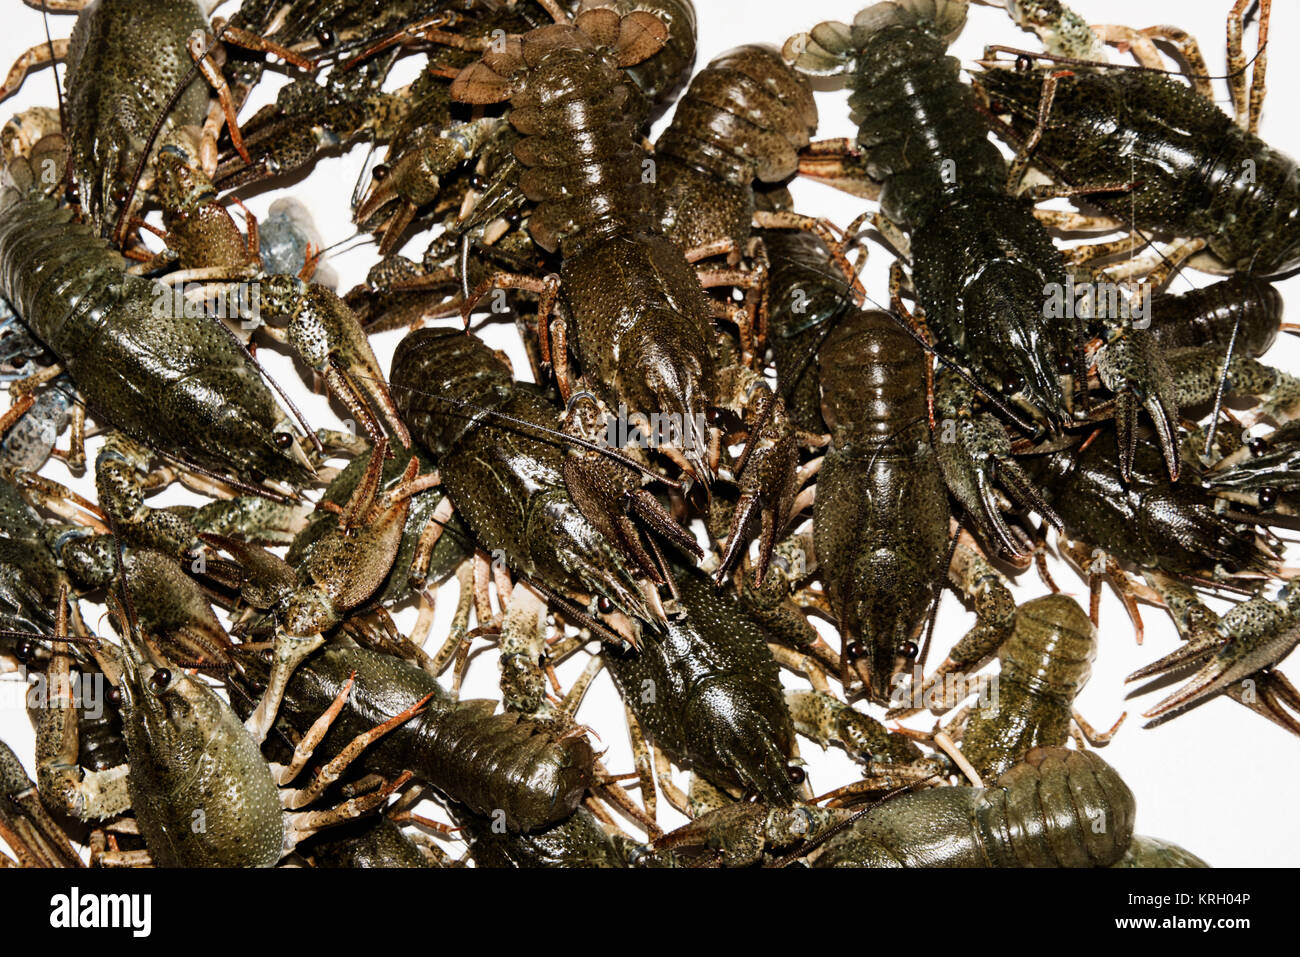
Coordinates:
<point>745,117</point>
<point>924,139</point>
<point>56,273</point>
<point>1058,808</point>
<point>580,117</point>
<point>1207,316</point>
<point>504,763</point>
<point>872,381</point>
<point>493,763</point>
<point>1045,662</point>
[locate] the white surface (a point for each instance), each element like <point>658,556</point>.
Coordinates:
<point>1220,780</point>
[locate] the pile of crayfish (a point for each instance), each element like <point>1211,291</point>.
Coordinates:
<point>713,462</point>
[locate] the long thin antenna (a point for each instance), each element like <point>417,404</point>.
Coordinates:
<point>1078,61</point>
<point>235,483</point>
<point>54,64</point>
<point>1222,386</point>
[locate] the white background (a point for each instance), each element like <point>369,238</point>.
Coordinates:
<point>1220,780</point>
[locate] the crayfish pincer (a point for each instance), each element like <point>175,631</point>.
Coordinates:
<point>707,690</point>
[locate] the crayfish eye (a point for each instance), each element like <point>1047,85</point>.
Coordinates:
<point>160,680</point>
<point>857,650</point>
<point>24,650</point>
<point>282,440</point>
<point>604,605</point>
<point>478,183</point>
<point>1024,63</point>
<point>325,37</point>
<point>797,775</point>
<point>909,650</point>
<point>380,172</point>
<point>1268,496</point>
<point>1257,445</point>
<point>113,695</point>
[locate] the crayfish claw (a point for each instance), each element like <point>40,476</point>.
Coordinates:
<point>290,651</point>
<point>1253,638</point>
<point>768,475</point>
<point>328,337</point>
<point>1131,366</point>
<point>607,488</point>
<point>1273,696</point>
<point>974,452</point>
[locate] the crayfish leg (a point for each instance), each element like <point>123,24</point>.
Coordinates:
<point>290,650</point>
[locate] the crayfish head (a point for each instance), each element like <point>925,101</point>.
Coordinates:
<point>165,711</point>
<point>893,597</point>
<point>257,439</point>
